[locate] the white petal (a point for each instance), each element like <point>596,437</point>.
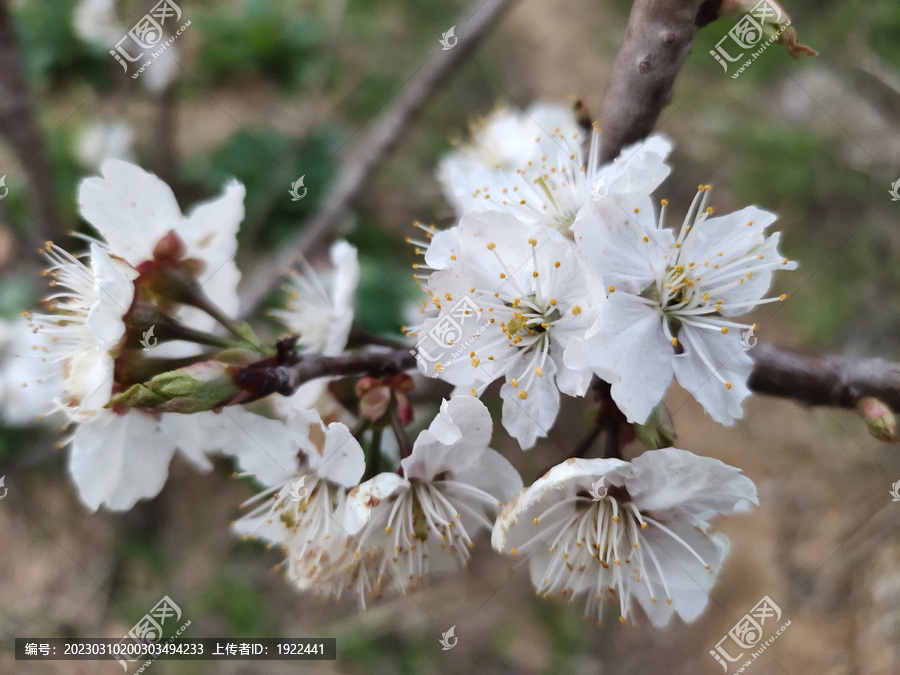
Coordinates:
<point>367,496</point>
<point>119,459</point>
<point>612,238</point>
<point>455,440</point>
<point>528,419</point>
<point>732,364</point>
<point>332,451</point>
<point>676,479</point>
<point>688,580</point>
<point>345,280</point>
<point>210,233</point>
<point>629,350</point>
<point>130,208</point>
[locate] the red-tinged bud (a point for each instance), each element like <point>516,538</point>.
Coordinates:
<point>404,408</point>
<point>375,395</point>
<point>375,401</point>
<point>879,419</point>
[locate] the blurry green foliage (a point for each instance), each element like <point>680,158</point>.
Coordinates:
<point>386,287</point>
<point>241,605</point>
<point>267,38</point>
<point>54,55</point>
<point>268,163</point>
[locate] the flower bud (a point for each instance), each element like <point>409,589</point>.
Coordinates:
<point>879,419</point>
<point>374,398</point>
<point>201,386</point>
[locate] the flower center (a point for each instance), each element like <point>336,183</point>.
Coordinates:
<point>592,548</point>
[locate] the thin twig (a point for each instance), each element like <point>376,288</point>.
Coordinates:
<point>365,158</point>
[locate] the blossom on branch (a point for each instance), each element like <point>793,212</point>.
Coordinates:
<point>305,512</point>
<point>645,537</point>
<point>541,176</point>
<point>452,487</point>
<point>536,299</point>
<point>151,267</point>
<point>672,299</point>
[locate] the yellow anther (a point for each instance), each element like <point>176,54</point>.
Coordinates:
<point>491,246</point>
<point>576,310</point>
<point>523,394</point>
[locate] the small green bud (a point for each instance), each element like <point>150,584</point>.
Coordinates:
<point>201,386</point>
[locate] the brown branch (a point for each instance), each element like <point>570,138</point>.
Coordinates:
<point>823,379</point>
<point>18,123</point>
<point>365,158</point>
<point>809,378</point>
<point>657,40</point>
<point>284,373</point>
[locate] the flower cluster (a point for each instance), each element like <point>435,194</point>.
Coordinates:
<point>589,282</point>
<point>559,275</point>
<point>340,535</point>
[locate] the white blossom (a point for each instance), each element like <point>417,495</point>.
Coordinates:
<point>502,144</point>
<point>304,512</point>
<point>534,300</point>
<point>133,210</point>
<point>672,299</point>
<point>86,330</point>
<point>320,307</point>
<point>452,487</point>
<point>541,176</point>
<point>645,539</point>
<point>119,456</point>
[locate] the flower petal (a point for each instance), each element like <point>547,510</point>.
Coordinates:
<point>732,364</point>
<point>628,349</point>
<point>130,208</point>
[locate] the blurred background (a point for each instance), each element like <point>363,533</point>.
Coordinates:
<point>269,90</point>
